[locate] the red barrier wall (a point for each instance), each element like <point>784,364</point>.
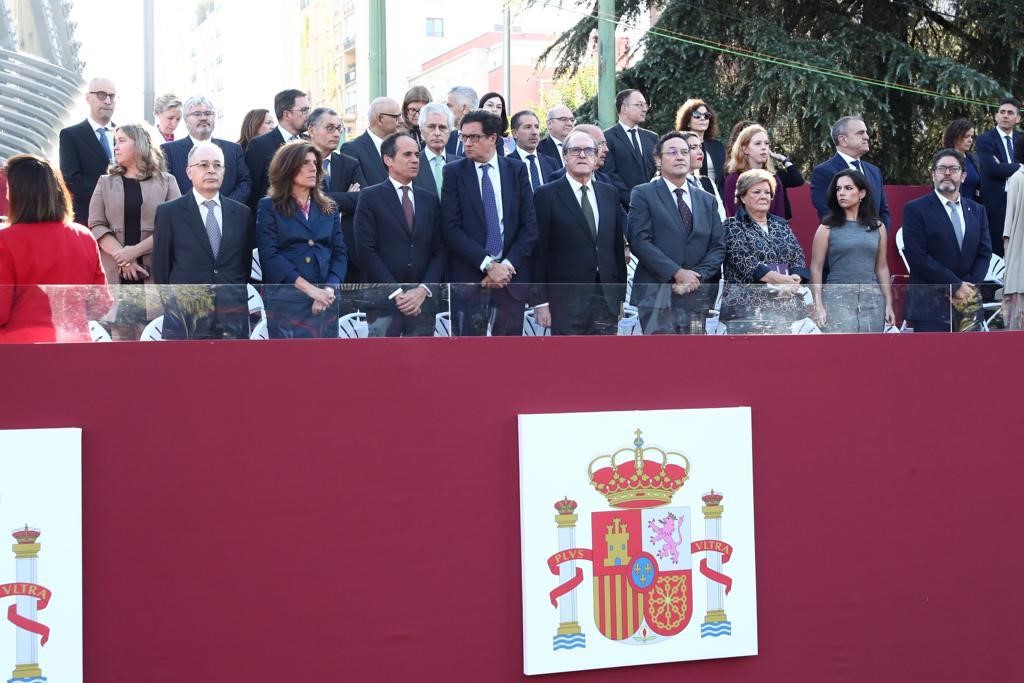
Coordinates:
<point>348,511</point>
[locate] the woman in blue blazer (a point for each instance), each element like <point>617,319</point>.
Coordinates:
<point>302,251</point>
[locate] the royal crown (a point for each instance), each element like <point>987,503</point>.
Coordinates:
<point>712,497</point>
<point>639,482</point>
<point>26,535</point>
<point>565,506</point>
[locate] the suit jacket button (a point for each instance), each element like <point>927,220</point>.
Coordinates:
<point>214,271</point>
<point>312,243</point>
<point>309,259</point>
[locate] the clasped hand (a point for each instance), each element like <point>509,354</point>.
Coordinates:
<point>498,276</point>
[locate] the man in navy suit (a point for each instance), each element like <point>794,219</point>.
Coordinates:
<point>87,148</point>
<point>602,154</point>
<point>560,123</point>
<point>526,133</point>
<point>398,243</point>
<point>999,152</point>
<point>202,238</point>
<point>850,135</point>
<point>200,118</point>
<point>490,229</point>
<point>630,160</point>
<point>382,119</point>
<point>435,127</point>
<point>291,108</point>
<point>676,234</point>
<point>460,100</point>
<point>947,244</point>
<point>342,178</point>
<point>579,262</point>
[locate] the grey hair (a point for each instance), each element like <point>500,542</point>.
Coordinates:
<point>437,108</point>
<point>202,145</point>
<point>840,126</point>
<point>165,102</point>
<point>465,95</point>
<point>566,144</point>
<point>314,116</point>
<point>197,101</point>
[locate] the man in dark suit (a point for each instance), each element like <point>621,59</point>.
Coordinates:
<point>850,135</point>
<point>87,148</point>
<point>383,119</point>
<point>602,154</point>
<point>291,108</point>
<point>490,229</point>
<point>560,124</point>
<point>343,177</point>
<point>948,247</point>
<point>999,153</point>
<point>460,100</point>
<point>435,127</point>
<point>398,241</point>
<point>526,133</point>
<point>676,234</point>
<point>200,119</point>
<point>202,238</point>
<point>579,262</point>
<point>630,160</point>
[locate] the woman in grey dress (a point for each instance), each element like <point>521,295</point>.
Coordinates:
<point>852,240</point>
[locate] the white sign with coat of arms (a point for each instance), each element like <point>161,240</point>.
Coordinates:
<point>637,538</point>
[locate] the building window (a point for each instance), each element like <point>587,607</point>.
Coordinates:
<point>435,27</point>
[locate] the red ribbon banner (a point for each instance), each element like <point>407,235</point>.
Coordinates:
<point>567,556</point>
<point>713,547</point>
<point>31,590</point>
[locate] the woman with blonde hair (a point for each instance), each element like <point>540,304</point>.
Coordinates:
<point>302,250</point>
<point>751,150</point>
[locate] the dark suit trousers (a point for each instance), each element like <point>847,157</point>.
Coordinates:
<point>581,309</point>
<point>474,308</point>
<point>685,315</point>
<point>390,322</point>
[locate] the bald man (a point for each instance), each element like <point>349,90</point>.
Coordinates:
<point>87,148</point>
<point>383,121</point>
<point>560,122</point>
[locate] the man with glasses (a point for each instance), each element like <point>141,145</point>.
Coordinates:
<point>526,133</point>
<point>202,238</point>
<point>560,123</point>
<point>490,229</point>
<point>87,148</point>
<point>852,141</point>
<point>200,119</point>
<point>947,244</point>
<point>291,108</point>
<point>630,160</point>
<point>579,263</point>
<point>436,123</point>
<point>677,237</point>
<point>343,177</point>
<point>999,152</point>
<point>602,154</point>
<point>382,121</point>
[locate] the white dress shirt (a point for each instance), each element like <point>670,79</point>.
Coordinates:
<point>495,175</point>
<point>672,187</point>
<point>285,134</point>
<point>108,132</point>
<point>958,206</point>
<point>591,199</point>
<point>203,211</point>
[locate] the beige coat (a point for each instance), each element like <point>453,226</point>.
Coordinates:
<point>106,213</point>
<point>1013,227</point>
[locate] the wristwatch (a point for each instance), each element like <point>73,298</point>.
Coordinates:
<point>490,265</point>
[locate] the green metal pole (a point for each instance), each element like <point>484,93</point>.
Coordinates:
<point>378,49</point>
<point>606,63</point>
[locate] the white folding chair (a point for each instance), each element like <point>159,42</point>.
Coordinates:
<point>532,328</point>
<point>255,270</point>
<point>154,331</point>
<point>630,323</point>
<point>98,332</point>
<point>996,271</point>
<point>353,326</point>
<point>260,331</point>
<point>256,305</point>
<point>443,324</point>
<point>898,237</point>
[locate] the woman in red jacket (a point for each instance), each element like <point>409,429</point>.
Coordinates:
<point>41,247</point>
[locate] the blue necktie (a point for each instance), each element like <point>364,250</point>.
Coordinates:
<point>1009,149</point>
<point>102,134</point>
<point>534,173</point>
<point>494,243</point>
<point>857,166</point>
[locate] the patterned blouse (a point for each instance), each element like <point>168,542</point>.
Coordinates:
<point>749,255</point>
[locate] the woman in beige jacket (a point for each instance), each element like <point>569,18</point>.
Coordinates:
<point>1013,247</point>
<point>121,216</point>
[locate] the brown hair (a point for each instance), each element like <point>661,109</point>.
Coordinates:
<point>285,165</point>
<point>737,161</point>
<point>417,93</point>
<point>37,191</point>
<point>685,113</point>
<point>251,124</point>
<point>149,160</point>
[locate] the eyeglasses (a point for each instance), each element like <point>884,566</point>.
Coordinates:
<point>581,151</point>
<point>701,115</point>
<point>104,95</point>
<point>412,111</point>
<point>384,113</point>
<point>304,110</point>
<point>639,105</point>
<point>472,137</point>
<point>675,152</point>
<point>942,170</point>
<point>207,165</point>
<point>564,119</point>
<point>760,193</point>
<point>203,114</point>
<point>331,128</point>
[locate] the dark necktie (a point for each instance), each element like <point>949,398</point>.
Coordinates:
<point>534,172</point>
<point>212,227</point>
<point>857,166</point>
<point>636,145</point>
<point>102,133</point>
<point>494,243</point>
<point>954,218</point>
<point>684,212</point>
<point>588,211</point>
<point>327,172</point>
<point>410,216</point>
<point>1009,149</point>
